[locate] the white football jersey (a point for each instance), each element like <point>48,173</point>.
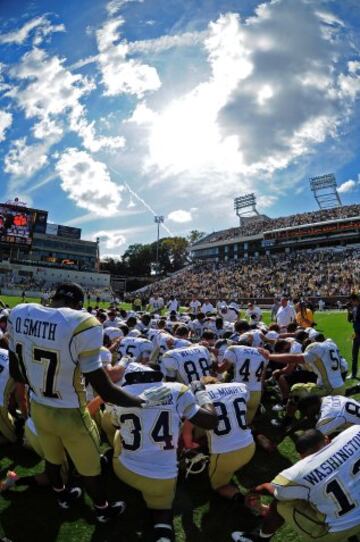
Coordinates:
<point>232,432</point>
<point>324,360</point>
<point>4,376</point>
<point>337,412</point>
<point>329,480</point>
<point>187,364</point>
<point>150,436</point>
<point>248,365</point>
<point>135,347</point>
<point>54,347</point>
<point>177,343</point>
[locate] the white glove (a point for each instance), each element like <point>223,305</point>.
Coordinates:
<point>124,362</point>
<point>156,396</point>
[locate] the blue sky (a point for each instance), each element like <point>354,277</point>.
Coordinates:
<point>113,111</point>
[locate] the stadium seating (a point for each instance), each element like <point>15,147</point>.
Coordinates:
<point>308,274</point>
<point>263,223</point>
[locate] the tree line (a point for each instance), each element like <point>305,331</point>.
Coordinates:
<point>140,259</point>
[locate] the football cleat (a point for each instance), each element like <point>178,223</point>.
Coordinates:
<point>67,497</point>
<point>114,509</point>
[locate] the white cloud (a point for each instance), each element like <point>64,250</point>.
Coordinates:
<point>42,27</point>
<point>265,200</point>
<point>111,239</point>
<point>180,216</point>
<point>142,114</point>
<point>153,46</point>
<point>24,160</point>
<point>52,97</point>
<point>163,43</point>
<point>271,97</point>
<point>114,6</point>
<point>121,75</point>
<point>87,182</point>
<point>5,123</point>
<point>347,186</point>
<point>114,239</point>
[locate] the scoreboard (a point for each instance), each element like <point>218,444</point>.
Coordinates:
<point>18,223</point>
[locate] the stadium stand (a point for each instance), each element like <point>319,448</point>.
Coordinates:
<point>313,274</point>
<point>263,224</point>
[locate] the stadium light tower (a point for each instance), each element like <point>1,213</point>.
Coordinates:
<point>325,191</point>
<point>244,205</point>
<point>158,220</point>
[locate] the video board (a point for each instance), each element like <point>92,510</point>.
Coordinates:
<point>18,223</point>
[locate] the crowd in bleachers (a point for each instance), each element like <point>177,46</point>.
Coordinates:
<point>302,274</point>
<point>258,225</point>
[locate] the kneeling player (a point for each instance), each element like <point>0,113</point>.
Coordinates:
<point>146,444</point>
<point>231,443</point>
<point>319,496</point>
<point>331,414</point>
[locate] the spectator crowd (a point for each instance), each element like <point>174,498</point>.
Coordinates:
<point>258,225</point>
<point>302,274</point>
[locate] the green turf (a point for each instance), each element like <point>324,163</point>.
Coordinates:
<point>31,514</point>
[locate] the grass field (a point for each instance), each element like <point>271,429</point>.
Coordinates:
<point>32,515</point>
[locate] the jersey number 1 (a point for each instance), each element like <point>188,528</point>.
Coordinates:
<point>335,489</point>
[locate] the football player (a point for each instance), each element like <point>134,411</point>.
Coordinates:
<point>319,497</point>
<point>135,347</point>
<point>145,454</point>
<point>249,368</point>
<point>186,364</point>
<point>231,443</point>
<point>51,348</point>
<point>331,414</point>
<point>322,358</point>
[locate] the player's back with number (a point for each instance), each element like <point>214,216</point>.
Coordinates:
<point>48,343</point>
<point>248,364</point>
<point>134,347</point>
<point>187,364</point>
<point>337,412</point>
<point>232,432</point>
<point>150,436</point>
<point>325,360</point>
<point>329,480</point>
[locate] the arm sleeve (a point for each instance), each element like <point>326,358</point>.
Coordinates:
<point>287,490</point>
<point>327,426</point>
<point>169,366</point>
<point>310,356</point>
<point>85,346</point>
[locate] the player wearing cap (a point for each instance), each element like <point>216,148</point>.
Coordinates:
<point>51,348</point>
